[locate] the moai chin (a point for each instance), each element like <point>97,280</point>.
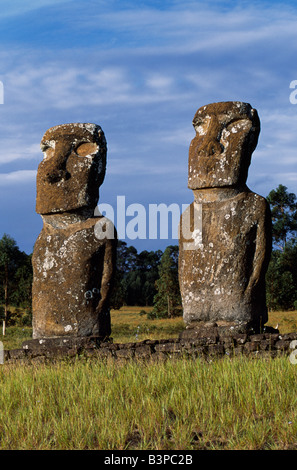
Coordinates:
<point>73,268</point>
<point>225,234</point>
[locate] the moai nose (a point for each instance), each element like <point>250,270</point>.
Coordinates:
<point>212,145</point>
<point>56,170</point>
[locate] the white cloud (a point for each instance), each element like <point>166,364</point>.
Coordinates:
<point>187,56</point>
<point>17,177</point>
<point>18,7</point>
<point>178,136</point>
<point>187,27</point>
<point>159,82</point>
<point>290,177</point>
<point>137,166</point>
<point>12,150</point>
<point>142,72</point>
<point>57,86</point>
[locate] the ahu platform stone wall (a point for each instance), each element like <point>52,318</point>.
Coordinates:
<point>208,343</point>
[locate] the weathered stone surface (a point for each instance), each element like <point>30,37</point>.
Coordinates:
<point>125,353</point>
<point>282,344</point>
<point>70,342</point>
<point>17,354</point>
<point>220,153</point>
<point>169,347</point>
<point>73,168</point>
<point>222,264</point>
<point>289,336</point>
<point>143,351</point>
<point>205,344</point>
<point>73,266</point>
<point>257,338</point>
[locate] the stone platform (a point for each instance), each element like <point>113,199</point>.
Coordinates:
<point>208,342</point>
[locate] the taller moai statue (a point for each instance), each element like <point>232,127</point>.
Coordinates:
<point>222,269</point>
<point>73,268</point>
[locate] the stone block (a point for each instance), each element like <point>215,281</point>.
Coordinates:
<point>143,351</point>
<point>216,349</point>
<point>17,354</point>
<point>168,348</point>
<point>125,353</point>
<point>257,338</point>
<point>282,345</point>
<point>250,347</point>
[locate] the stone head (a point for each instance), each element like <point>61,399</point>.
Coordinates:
<point>220,153</point>
<point>72,169</point>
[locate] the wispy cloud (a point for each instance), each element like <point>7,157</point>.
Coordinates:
<point>117,166</point>
<point>290,177</point>
<point>17,177</point>
<point>141,70</point>
<point>19,7</point>
<point>190,26</point>
<point>17,150</point>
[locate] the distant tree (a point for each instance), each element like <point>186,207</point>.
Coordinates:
<point>284,214</point>
<point>281,277</point>
<point>126,260</point>
<point>167,301</point>
<point>289,259</point>
<point>147,274</point>
<point>281,287</point>
<point>126,257</point>
<point>135,276</point>
<point>140,281</point>
<point>9,259</point>
<point>22,294</point>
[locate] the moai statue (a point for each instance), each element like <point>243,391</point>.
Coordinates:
<point>222,264</point>
<point>73,261</point>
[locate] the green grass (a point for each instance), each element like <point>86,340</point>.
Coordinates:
<point>15,335</point>
<point>226,404</point>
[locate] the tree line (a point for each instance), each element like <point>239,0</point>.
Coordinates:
<point>150,278</point>
<point>281,278</point>
<point>15,283</point>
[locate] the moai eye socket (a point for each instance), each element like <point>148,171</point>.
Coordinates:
<point>86,149</point>
<point>48,149</point>
<point>201,126</point>
<point>239,125</point>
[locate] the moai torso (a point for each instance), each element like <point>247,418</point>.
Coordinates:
<point>222,269</point>
<point>73,266</point>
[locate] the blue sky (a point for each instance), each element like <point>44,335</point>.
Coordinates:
<point>141,69</point>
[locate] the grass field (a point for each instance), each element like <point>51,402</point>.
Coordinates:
<point>229,403</point>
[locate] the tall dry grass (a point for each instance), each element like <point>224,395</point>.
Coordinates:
<point>86,404</point>
<point>230,403</point>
